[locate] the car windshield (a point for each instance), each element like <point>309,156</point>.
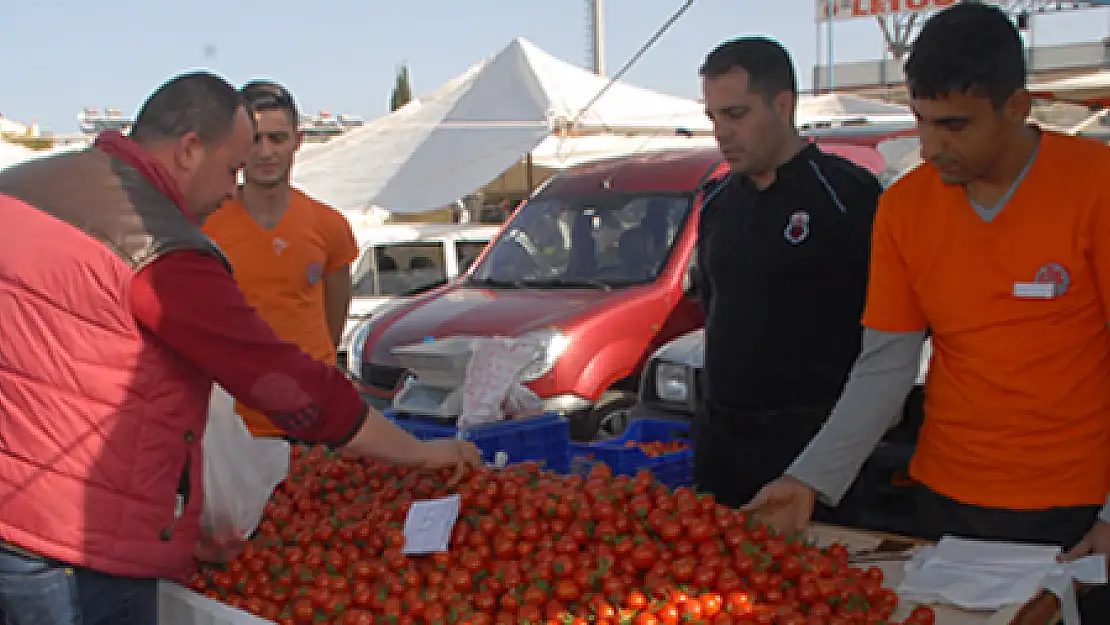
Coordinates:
<point>397,268</point>
<point>599,241</point>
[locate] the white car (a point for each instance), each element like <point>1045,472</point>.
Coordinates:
<point>396,260</point>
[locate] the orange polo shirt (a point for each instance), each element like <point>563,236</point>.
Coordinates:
<point>281,272</point>
<point>1017,401</point>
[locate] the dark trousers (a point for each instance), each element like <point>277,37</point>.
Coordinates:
<point>37,591</point>
<point>938,515</point>
<point>736,453</point>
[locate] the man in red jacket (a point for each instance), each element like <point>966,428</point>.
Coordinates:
<point>119,315</point>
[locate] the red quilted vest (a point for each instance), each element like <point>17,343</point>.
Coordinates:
<point>101,426</point>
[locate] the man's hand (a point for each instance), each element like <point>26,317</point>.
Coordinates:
<point>1097,541</point>
<point>451,453</point>
<point>785,504</point>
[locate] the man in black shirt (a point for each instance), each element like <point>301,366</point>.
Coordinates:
<point>783,249</point>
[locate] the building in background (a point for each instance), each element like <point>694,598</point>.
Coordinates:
<point>884,79</point>
<point>92,122</point>
<point>324,126</point>
<point>899,24</point>
<point>10,127</point>
<point>317,128</point>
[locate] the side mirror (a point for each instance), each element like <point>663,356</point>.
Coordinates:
<point>689,284</point>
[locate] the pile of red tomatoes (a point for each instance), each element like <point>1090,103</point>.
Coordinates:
<point>530,548</point>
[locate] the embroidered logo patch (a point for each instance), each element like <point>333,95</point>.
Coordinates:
<point>1055,274</point>
<point>797,229</point>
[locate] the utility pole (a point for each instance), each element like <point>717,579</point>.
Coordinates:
<point>596,17</point>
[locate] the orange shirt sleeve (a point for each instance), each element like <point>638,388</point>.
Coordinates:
<point>341,247</point>
<point>892,303</point>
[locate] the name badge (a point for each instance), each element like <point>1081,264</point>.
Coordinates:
<point>1034,290</point>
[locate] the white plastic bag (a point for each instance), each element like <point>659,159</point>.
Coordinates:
<point>240,471</point>
<point>522,402</point>
<point>494,368</point>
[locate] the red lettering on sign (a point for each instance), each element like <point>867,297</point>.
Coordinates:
<point>874,8</point>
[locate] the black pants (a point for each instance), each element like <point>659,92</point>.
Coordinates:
<point>938,515</point>
<point>737,453</point>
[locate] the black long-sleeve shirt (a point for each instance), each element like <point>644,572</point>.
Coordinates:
<point>782,276</point>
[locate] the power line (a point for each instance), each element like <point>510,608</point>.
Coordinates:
<point>632,61</point>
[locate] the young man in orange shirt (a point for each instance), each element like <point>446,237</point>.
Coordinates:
<point>1000,245</point>
<point>291,254</point>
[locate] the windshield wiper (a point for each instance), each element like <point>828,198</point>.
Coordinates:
<point>497,283</point>
<point>571,283</point>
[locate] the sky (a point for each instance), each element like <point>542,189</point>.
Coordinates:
<point>342,55</point>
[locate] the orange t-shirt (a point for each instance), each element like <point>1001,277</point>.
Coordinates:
<point>281,272</point>
<point>1017,400</point>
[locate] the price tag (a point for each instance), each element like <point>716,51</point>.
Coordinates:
<point>429,524</point>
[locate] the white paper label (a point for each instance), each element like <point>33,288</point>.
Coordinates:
<point>1034,290</point>
<point>429,524</point>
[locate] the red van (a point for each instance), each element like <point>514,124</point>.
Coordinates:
<point>596,265</point>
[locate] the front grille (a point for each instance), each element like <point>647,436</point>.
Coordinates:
<point>381,376</point>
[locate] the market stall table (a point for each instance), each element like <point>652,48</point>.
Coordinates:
<point>1042,610</point>
<point>180,606</point>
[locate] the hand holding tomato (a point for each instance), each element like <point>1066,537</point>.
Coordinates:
<point>451,454</point>
<point>785,504</point>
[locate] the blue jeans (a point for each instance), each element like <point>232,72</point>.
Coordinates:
<point>38,591</point>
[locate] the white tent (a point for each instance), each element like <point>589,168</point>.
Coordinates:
<point>10,156</point>
<point>10,153</point>
<point>444,146</point>
<point>1093,88</point>
<point>562,152</point>
<point>831,107</point>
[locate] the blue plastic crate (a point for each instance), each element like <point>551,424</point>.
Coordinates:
<point>673,469</point>
<point>543,438</point>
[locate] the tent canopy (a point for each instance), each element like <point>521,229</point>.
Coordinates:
<point>1090,89</point>
<point>10,153</point>
<point>447,145</point>
<point>839,106</point>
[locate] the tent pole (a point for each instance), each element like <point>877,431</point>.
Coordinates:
<point>531,174</point>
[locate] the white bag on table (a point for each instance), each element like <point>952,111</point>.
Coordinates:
<point>240,471</point>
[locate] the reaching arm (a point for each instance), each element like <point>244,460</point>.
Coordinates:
<point>871,404</point>
<point>337,301</point>
<point>191,303</point>
<point>884,372</point>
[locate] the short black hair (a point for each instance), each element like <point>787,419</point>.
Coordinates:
<point>768,64</point>
<point>199,102</point>
<point>967,48</point>
<point>264,95</point>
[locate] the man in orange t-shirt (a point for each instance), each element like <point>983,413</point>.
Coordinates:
<point>999,245</point>
<point>291,254</point>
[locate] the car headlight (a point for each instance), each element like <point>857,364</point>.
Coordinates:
<point>672,382</point>
<point>552,345</point>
